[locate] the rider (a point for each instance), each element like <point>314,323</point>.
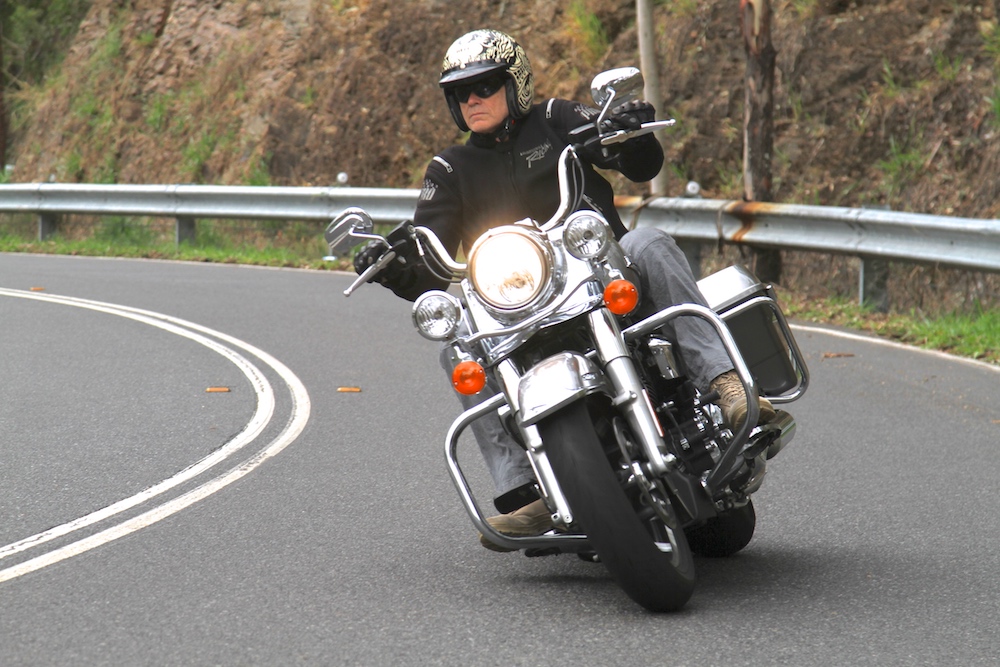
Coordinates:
<point>507,171</point>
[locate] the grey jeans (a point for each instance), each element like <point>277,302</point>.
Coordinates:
<point>665,280</point>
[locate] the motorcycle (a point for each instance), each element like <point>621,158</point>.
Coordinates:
<point>635,464</point>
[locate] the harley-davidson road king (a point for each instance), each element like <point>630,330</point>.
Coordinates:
<point>636,466</point>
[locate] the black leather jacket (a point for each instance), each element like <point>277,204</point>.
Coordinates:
<point>511,175</point>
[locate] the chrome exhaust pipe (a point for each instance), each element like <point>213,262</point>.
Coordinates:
<point>784,425</point>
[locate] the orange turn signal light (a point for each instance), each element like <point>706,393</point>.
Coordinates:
<point>468,378</point>
<point>621,297</point>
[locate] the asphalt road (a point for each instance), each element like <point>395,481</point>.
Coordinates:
<point>147,521</point>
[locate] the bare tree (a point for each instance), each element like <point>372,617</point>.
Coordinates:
<point>758,124</point>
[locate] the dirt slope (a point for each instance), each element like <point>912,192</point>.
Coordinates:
<point>878,102</point>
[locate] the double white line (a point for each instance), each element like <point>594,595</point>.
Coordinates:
<point>261,418</point>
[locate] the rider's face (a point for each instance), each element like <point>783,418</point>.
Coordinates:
<point>485,114</point>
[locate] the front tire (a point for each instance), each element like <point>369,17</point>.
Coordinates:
<point>627,545</point>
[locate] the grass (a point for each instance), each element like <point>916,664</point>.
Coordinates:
<point>587,28</point>
<point>975,335</point>
<point>890,87</point>
<point>947,69</point>
<point>900,168</point>
<point>290,245</point>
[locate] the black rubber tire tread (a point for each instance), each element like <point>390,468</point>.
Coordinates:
<point>725,534</point>
<point>604,512</point>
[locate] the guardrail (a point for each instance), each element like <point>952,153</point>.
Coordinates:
<point>871,234</point>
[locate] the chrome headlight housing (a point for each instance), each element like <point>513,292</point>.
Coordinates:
<point>587,235</point>
<point>509,267</point>
<point>436,315</point>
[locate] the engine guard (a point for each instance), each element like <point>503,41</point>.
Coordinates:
<point>549,542</point>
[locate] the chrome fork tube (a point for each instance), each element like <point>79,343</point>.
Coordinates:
<point>630,395</point>
<point>548,484</point>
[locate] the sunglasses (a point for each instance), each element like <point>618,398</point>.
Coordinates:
<point>481,89</point>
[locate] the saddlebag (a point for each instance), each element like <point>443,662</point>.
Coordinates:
<point>751,312</point>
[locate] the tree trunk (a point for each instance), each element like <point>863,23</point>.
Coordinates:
<point>3,109</point>
<point>758,123</point>
<point>650,70</point>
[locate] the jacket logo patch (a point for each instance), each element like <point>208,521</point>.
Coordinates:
<point>428,191</point>
<point>536,154</point>
<point>585,111</point>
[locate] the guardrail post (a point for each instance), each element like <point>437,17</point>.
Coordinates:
<point>690,248</point>
<point>48,224</point>
<point>185,229</point>
<point>873,280</point>
<point>873,284</point>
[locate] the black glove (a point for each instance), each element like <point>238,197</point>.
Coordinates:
<point>399,273</point>
<point>368,256</point>
<point>631,115</point>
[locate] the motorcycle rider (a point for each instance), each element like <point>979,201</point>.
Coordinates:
<point>507,171</point>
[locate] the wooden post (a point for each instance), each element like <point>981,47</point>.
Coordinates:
<point>758,123</point>
<point>3,109</point>
<point>651,75</point>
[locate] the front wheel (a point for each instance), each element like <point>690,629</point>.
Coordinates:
<point>649,559</point>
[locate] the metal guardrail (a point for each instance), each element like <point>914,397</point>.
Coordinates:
<point>869,233</point>
<point>968,243</point>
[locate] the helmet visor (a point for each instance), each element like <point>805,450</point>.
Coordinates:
<point>469,73</point>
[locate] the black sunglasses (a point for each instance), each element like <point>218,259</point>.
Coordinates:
<point>481,89</point>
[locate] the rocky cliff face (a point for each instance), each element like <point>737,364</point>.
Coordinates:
<point>877,102</point>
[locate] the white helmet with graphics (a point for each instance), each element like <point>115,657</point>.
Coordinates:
<point>487,56</point>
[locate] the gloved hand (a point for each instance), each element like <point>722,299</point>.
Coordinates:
<point>631,115</point>
<point>399,272</point>
<point>368,256</point>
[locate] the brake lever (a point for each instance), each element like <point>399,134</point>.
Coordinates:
<point>371,271</point>
<point>620,136</point>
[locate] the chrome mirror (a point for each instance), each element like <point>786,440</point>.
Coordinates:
<point>617,86</point>
<point>344,232</point>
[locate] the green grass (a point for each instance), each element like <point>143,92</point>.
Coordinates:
<point>900,168</point>
<point>589,28</point>
<point>890,87</point>
<point>975,335</point>
<point>947,68</point>
<point>298,245</point>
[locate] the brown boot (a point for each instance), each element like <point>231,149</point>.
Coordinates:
<point>532,519</point>
<point>733,401</point>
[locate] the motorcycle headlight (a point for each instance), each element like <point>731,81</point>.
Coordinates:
<point>508,267</point>
<point>586,235</point>
<point>436,315</point>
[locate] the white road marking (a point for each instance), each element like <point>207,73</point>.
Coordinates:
<point>262,417</point>
<point>891,343</point>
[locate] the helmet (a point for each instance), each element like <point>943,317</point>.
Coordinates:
<point>479,54</point>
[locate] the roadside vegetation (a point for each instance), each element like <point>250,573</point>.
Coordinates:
<point>974,334</point>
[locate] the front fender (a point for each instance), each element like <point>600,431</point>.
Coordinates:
<point>556,382</point>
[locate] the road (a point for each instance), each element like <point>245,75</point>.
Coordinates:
<point>294,520</point>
